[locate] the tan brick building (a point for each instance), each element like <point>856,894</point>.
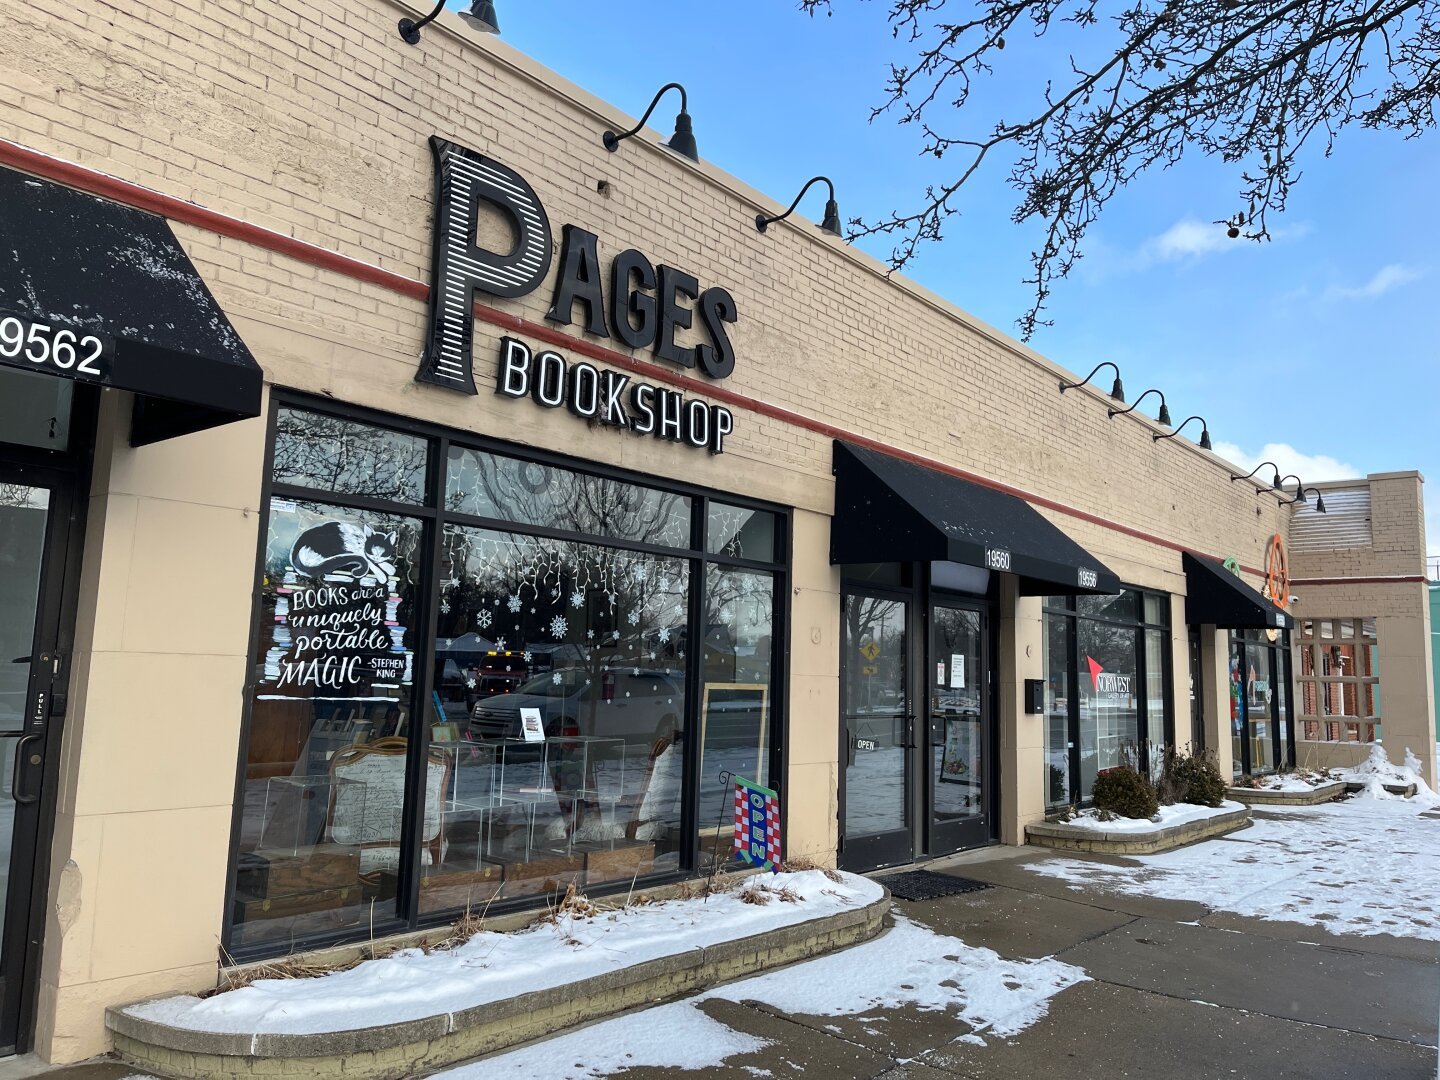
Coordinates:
<point>311,648</point>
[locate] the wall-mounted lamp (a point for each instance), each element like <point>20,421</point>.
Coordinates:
<point>481,16</point>
<point>1163,418</point>
<point>682,142</point>
<point>1204,432</point>
<point>1274,484</point>
<point>1300,496</point>
<point>831,224</point>
<point>1117,391</point>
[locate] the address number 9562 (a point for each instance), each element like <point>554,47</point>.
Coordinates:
<point>24,343</point>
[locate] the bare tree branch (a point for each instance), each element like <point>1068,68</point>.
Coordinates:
<point>1250,82</point>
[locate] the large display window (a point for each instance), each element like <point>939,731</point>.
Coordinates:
<point>1107,688</point>
<point>481,678</point>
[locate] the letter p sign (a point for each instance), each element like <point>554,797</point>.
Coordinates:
<point>464,179</point>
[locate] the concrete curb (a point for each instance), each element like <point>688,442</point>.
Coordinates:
<point>1257,797</point>
<point>1057,834</point>
<point>400,1050</point>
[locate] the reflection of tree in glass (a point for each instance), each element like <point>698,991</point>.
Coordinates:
<point>327,452</point>
<point>876,620</point>
<point>491,486</point>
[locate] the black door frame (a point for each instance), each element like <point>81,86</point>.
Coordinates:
<point>67,475</point>
<point>1280,661</point>
<point>976,832</point>
<point>897,846</point>
<point>66,478</point>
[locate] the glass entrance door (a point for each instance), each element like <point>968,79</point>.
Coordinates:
<point>31,531</point>
<point>958,752</point>
<point>879,736</point>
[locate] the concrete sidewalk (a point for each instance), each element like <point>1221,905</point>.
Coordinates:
<point>1179,993</point>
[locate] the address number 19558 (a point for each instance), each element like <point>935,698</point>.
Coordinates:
<point>59,350</point>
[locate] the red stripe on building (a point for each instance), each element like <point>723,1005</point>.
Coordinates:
<point>167,206</point>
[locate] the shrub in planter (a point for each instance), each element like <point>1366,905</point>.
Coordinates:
<point>1124,791</point>
<point>1170,786</point>
<point>1201,777</point>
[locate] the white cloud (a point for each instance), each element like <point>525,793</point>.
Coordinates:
<point>1388,277</point>
<point>1187,239</point>
<point>1311,468</point>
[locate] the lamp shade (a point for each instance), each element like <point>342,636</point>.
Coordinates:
<point>683,141</point>
<point>481,16</point>
<point>1164,416</point>
<point>1118,390</point>
<point>1319,503</point>
<point>831,224</point>
<point>1205,439</point>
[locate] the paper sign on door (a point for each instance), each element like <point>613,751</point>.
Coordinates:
<point>957,671</point>
<point>532,725</point>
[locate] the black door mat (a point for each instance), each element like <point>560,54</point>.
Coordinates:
<point>928,885</point>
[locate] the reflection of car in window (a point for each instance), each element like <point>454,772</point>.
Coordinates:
<point>576,701</point>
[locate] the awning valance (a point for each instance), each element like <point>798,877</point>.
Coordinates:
<point>1217,597</point>
<point>98,292</point>
<point>888,510</point>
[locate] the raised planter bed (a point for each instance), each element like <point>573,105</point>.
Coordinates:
<point>1308,796</point>
<point>153,1036</point>
<point>1130,837</point>
<point>1391,787</point>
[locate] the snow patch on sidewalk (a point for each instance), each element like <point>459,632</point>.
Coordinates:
<point>412,984</point>
<point>1363,866</point>
<point>910,966</point>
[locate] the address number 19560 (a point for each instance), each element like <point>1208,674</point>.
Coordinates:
<point>58,350</point>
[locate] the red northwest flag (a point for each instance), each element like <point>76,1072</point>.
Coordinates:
<point>1095,672</point>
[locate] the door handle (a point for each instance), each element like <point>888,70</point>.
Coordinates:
<point>23,797</point>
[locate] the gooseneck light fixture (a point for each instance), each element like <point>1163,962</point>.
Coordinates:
<point>1204,432</point>
<point>1117,391</point>
<point>831,224</point>
<point>682,142</point>
<point>1163,417</point>
<point>1300,496</point>
<point>1274,484</point>
<point>481,16</point>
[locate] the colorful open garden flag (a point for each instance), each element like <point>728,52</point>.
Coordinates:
<point>757,824</point>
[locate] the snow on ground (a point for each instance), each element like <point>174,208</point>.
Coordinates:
<point>411,984</point>
<point>1378,770</point>
<point>1178,814</point>
<point>910,966</point>
<point>1362,866</point>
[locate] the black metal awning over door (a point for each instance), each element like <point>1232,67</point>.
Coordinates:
<point>1217,597</point>
<point>102,293</point>
<point>888,510</point>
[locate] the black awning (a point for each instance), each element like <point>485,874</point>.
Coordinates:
<point>117,280</point>
<point>1217,597</point>
<point>887,510</point>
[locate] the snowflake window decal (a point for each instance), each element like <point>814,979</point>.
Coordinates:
<point>558,625</point>
<point>555,678</point>
<point>614,635</point>
<point>513,603</point>
<point>664,635</point>
<point>483,619</point>
<point>577,598</point>
<point>633,618</point>
<point>500,644</point>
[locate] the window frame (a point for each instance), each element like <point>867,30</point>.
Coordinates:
<point>433,517</point>
<point>1069,609</point>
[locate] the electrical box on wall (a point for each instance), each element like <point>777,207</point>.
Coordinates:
<point>1034,695</point>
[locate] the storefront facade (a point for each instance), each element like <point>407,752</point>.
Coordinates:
<point>665,500</point>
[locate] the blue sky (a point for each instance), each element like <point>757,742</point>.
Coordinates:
<point>1318,349</point>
